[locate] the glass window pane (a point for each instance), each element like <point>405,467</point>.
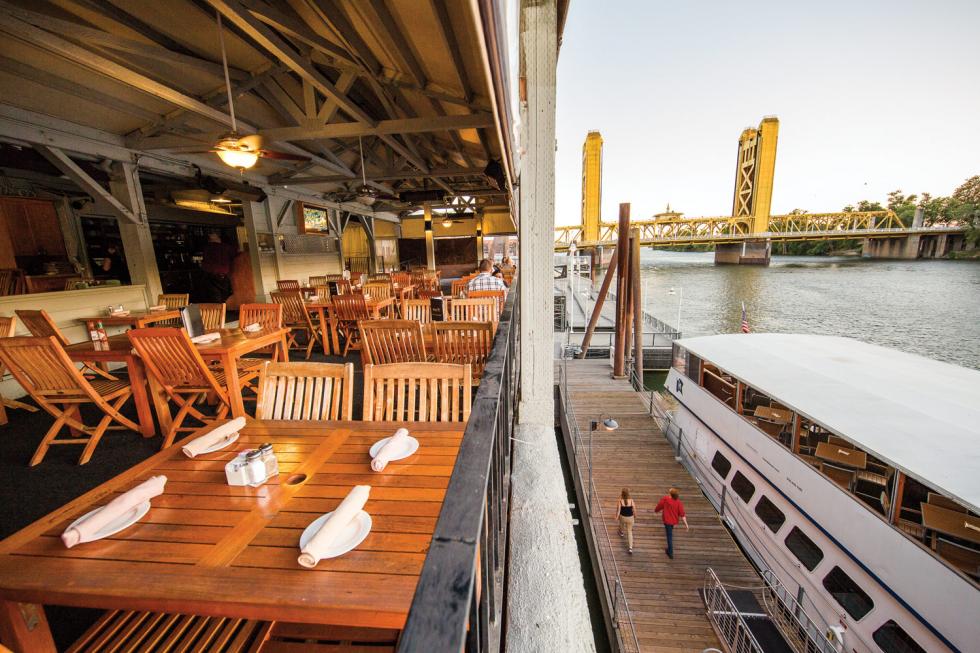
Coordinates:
<point>808,553</point>
<point>743,487</point>
<point>679,361</point>
<point>721,465</point>
<point>846,592</point>
<point>892,639</point>
<point>693,368</point>
<point>772,516</point>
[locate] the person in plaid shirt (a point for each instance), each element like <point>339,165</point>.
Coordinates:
<point>485,280</point>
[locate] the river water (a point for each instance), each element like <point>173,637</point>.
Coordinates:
<point>930,308</point>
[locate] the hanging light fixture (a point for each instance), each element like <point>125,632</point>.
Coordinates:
<point>238,158</point>
<point>447,222</point>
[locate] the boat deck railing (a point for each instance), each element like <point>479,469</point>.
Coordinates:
<point>621,613</point>
<point>726,618</point>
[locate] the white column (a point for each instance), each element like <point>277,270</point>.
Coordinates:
<point>546,604</point>
<point>256,220</point>
<point>124,184</point>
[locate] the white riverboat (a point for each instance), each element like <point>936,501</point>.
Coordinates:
<point>850,472</point>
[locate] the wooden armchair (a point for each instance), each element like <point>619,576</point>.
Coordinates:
<point>313,391</point>
<point>297,318</point>
<point>288,285</point>
<point>175,363</point>
<point>348,310</point>
<point>458,287</point>
<point>320,280</point>
<point>401,278</point>
<point>44,370</point>
<point>481,309</point>
<point>7,327</point>
<point>417,392</point>
<point>391,341</point>
<point>40,324</point>
<point>173,301</point>
<point>213,316</point>
<point>267,316</point>
<point>417,310</point>
<point>322,292</point>
<point>463,343</point>
<point>344,287</point>
<point>499,295</point>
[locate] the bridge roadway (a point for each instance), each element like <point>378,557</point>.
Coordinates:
<point>667,611</point>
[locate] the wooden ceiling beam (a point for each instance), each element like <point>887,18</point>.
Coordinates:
<point>382,128</point>
<point>385,175</point>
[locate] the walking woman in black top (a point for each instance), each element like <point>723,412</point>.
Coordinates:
<point>627,514</point>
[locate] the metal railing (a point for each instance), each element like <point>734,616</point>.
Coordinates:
<point>458,601</point>
<point>622,615</point>
<point>725,617</point>
<point>803,633</point>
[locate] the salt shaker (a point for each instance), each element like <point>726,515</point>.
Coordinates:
<point>269,460</point>
<point>256,468</point>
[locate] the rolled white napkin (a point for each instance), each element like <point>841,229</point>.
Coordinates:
<point>252,328</point>
<point>158,307</point>
<point>342,515</point>
<point>197,446</point>
<point>394,443</point>
<point>85,530</point>
<point>205,338</point>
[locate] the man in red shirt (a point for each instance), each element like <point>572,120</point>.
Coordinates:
<point>673,511</point>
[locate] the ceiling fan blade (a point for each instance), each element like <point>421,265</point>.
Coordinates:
<point>252,142</point>
<point>272,154</point>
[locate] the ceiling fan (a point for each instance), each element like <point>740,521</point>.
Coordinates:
<point>364,194</point>
<point>237,151</point>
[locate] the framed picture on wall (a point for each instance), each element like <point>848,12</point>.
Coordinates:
<point>312,219</point>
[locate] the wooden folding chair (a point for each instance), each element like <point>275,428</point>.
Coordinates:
<point>480,309</point>
<point>401,278</point>
<point>175,363</point>
<point>213,316</point>
<point>322,292</point>
<point>297,318</point>
<point>173,301</point>
<point>348,310</point>
<point>7,327</point>
<point>462,343</point>
<point>320,280</point>
<point>417,392</point>
<point>287,285</point>
<point>458,287</point>
<point>391,341</point>
<point>499,295</point>
<point>40,324</point>
<point>267,316</point>
<point>379,290</point>
<point>344,287</point>
<point>314,391</point>
<point>380,276</point>
<point>417,310</point>
<point>428,293</point>
<point>44,370</point>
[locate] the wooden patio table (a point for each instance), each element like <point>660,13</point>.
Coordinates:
<point>324,310</point>
<point>121,351</point>
<point>950,522</point>
<point>211,549</point>
<point>841,455</point>
<point>135,319</point>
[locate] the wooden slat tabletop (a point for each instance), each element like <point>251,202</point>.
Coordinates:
<point>208,548</point>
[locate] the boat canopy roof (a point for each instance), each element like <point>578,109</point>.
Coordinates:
<point>918,415</point>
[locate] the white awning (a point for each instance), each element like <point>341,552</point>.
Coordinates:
<point>917,414</point>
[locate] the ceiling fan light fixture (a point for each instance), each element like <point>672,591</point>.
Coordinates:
<point>238,158</point>
<point>447,222</point>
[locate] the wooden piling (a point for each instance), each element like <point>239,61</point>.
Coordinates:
<point>637,303</point>
<point>622,248</point>
<point>600,300</point>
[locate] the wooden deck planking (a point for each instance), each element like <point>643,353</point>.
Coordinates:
<point>668,613</point>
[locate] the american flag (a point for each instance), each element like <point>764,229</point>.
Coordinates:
<point>745,320</point>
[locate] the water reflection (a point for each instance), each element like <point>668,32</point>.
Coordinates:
<point>930,308</point>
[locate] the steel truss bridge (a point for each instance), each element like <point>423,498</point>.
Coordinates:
<point>677,231</point>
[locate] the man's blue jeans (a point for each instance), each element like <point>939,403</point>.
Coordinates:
<point>670,539</point>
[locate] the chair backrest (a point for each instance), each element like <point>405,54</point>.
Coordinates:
<point>463,343</point>
<point>391,341</point>
<point>458,287</point>
<point>174,300</point>
<point>401,278</point>
<point>285,285</point>
<point>213,316</point>
<point>7,279</point>
<point>8,324</point>
<point>381,276</point>
<point>428,293</point>
<point>269,316</point>
<point>171,357</point>
<point>293,309</point>
<point>314,391</point>
<point>333,278</point>
<point>344,287</point>
<point>381,290</point>
<point>40,324</point>
<point>417,392</point>
<point>480,309</point>
<point>499,295</point>
<point>320,280</point>
<point>417,310</point>
<point>839,475</point>
<point>43,369</point>
<point>322,291</point>
<point>350,307</point>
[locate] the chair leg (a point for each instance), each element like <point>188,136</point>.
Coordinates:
<point>94,439</point>
<point>52,433</point>
<point>186,406</point>
<point>3,411</point>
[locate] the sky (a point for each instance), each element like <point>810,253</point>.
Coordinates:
<point>871,95</point>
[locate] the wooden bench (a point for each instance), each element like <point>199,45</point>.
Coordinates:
<point>156,632</point>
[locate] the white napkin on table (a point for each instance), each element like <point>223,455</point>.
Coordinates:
<point>334,526</point>
<point>199,445</point>
<point>394,443</point>
<point>252,328</point>
<point>85,530</point>
<point>158,307</point>
<point>205,338</point>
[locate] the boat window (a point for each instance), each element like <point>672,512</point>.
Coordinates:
<point>801,546</point>
<point>693,368</point>
<point>892,639</point>
<point>679,359</point>
<point>719,383</point>
<point>743,487</point>
<point>846,592</point>
<point>721,465</point>
<point>772,516</point>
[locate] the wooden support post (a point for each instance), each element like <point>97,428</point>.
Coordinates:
<point>368,224</point>
<point>637,302</point>
<point>597,309</point>
<point>622,248</point>
<point>430,246</point>
<point>896,507</point>
<point>124,184</point>
<point>797,430</point>
<point>254,218</point>
<point>479,240</point>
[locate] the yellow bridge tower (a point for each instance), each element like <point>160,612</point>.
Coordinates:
<point>591,186</point>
